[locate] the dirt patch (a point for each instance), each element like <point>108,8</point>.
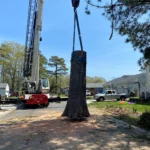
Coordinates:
<point>50,131</point>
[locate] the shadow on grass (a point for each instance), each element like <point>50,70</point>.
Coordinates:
<point>127,118</point>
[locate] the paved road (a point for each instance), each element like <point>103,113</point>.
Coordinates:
<point>22,112</point>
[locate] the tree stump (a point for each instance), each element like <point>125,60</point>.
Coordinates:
<point>76,108</point>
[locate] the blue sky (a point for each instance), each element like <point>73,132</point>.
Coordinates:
<point>105,58</point>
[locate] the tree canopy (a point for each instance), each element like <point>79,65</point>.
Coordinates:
<point>130,18</point>
<point>95,79</point>
<point>11,62</point>
<point>59,68</point>
<point>11,59</point>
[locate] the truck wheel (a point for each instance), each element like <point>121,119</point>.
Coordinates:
<point>46,105</point>
<point>101,99</point>
<point>122,98</point>
<point>98,100</point>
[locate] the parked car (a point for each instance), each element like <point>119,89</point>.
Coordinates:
<point>109,94</point>
<point>88,93</point>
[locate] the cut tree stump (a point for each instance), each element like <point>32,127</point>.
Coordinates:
<point>76,108</point>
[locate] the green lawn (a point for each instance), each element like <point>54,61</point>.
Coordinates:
<point>89,97</point>
<point>63,96</point>
<point>138,107</point>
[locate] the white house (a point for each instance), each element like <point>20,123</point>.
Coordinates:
<point>146,89</point>
<point>129,83</point>
<point>4,89</point>
<point>147,66</point>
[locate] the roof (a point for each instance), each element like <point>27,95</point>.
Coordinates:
<point>3,85</point>
<point>94,85</point>
<point>129,79</point>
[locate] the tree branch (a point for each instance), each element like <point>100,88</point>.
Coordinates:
<point>112,21</point>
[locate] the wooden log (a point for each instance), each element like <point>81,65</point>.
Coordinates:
<point>76,108</point>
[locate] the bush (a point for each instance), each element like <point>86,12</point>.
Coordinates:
<point>144,121</point>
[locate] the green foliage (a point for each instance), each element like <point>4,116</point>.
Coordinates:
<point>134,110</point>
<point>59,70</point>
<point>95,80</point>
<point>58,64</point>
<point>130,18</point>
<point>43,66</point>
<point>11,59</point>
<point>144,121</point>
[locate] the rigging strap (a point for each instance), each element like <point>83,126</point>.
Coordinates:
<point>76,20</point>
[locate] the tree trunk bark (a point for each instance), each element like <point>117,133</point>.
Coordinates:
<point>76,108</point>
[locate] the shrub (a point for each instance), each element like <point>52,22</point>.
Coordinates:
<point>144,121</point>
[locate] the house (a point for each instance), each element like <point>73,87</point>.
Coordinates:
<point>4,89</point>
<point>92,87</point>
<point>128,83</point>
<point>147,68</point>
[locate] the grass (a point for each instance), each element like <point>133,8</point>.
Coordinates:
<point>138,107</point>
<point>63,96</point>
<point>89,97</point>
<point>12,97</point>
<point>129,119</point>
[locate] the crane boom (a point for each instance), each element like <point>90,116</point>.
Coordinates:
<point>34,89</point>
<point>38,29</point>
<point>29,43</point>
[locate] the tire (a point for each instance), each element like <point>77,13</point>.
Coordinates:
<point>122,98</point>
<point>98,100</point>
<point>101,99</point>
<point>46,105</point>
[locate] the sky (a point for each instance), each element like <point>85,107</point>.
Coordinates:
<point>105,58</point>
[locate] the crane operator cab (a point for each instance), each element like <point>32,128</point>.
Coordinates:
<point>44,86</point>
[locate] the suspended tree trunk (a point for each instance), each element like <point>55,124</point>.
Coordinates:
<point>76,108</point>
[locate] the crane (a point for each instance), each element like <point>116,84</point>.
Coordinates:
<point>35,90</point>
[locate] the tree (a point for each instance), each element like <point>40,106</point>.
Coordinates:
<point>12,57</point>
<point>126,18</point>
<point>95,79</point>
<point>43,66</point>
<point>60,67</point>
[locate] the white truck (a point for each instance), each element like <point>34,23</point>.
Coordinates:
<point>109,94</point>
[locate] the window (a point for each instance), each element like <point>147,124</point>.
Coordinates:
<point>113,92</point>
<point>109,92</point>
<point>45,83</point>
